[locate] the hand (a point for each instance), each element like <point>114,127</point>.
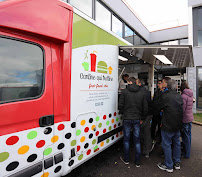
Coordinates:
<point>141,122</point>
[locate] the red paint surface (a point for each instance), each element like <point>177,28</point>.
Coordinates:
<point>104,131</point>
<point>37,17</point>
<point>96,150</point>
<point>78,148</point>
<point>34,21</point>
<point>88,152</point>
<point>97,133</point>
<point>93,62</point>
<point>12,140</point>
<point>115,114</point>
<point>104,117</point>
<point>61,127</point>
<point>86,129</point>
<point>40,144</point>
<point>115,126</point>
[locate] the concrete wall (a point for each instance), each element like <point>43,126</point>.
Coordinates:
<point>197,50</point>
<point>194,3</point>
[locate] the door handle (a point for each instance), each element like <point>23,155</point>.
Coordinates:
<point>46,121</point>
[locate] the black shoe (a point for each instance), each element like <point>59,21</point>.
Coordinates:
<point>163,167</point>
<point>122,159</point>
<point>177,166</point>
<point>137,164</point>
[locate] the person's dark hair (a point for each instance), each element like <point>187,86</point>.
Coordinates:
<point>183,86</point>
<point>125,75</point>
<point>132,79</point>
<point>167,79</point>
<point>142,81</point>
<point>159,81</point>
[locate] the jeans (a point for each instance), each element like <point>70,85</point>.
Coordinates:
<point>186,139</point>
<point>127,125</point>
<point>172,147</point>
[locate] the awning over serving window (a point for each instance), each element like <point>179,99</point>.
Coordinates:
<point>168,55</point>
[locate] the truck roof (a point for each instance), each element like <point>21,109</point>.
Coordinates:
<point>50,18</point>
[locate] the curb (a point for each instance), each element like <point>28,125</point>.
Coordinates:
<point>197,123</point>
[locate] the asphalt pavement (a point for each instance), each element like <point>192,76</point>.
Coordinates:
<point>108,163</point>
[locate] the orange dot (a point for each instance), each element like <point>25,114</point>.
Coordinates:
<point>93,127</point>
<point>102,144</point>
<point>45,174</point>
<point>83,122</point>
<point>82,139</point>
<point>121,133</point>
<point>112,120</point>
<point>54,139</point>
<point>23,149</point>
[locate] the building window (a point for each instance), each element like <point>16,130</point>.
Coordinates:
<point>85,6</point>
<point>197,26</point>
<point>21,70</point>
<point>184,41</point>
<point>137,39</point>
<point>117,26</point>
<point>103,16</point>
<point>129,34</point>
<point>199,87</point>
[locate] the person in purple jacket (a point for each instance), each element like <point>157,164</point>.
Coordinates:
<point>187,96</point>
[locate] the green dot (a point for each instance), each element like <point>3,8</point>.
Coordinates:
<point>96,147</point>
<point>107,141</point>
<point>117,119</point>
<point>78,132</point>
<point>73,143</point>
<point>107,123</point>
<point>97,118</point>
<point>110,128</point>
<point>80,157</point>
<point>4,156</point>
<point>47,151</point>
<point>32,135</point>
<point>100,125</point>
<point>94,141</point>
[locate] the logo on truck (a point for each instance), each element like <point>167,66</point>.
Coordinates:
<point>101,65</point>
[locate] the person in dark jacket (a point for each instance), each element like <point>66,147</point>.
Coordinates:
<point>145,126</point>
<point>187,96</point>
<point>156,120</point>
<point>170,102</point>
<point>133,106</point>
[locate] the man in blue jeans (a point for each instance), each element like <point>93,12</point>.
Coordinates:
<point>133,105</point>
<point>170,103</point>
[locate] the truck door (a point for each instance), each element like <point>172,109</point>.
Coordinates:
<point>26,105</point>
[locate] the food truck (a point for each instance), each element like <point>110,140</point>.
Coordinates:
<point>58,87</point>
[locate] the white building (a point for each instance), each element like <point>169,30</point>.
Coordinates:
<point>116,16</point>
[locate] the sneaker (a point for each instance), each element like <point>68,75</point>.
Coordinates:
<point>177,166</point>
<point>147,155</point>
<point>137,164</point>
<point>163,167</point>
<point>122,159</point>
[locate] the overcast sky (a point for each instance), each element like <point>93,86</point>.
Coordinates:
<point>160,14</point>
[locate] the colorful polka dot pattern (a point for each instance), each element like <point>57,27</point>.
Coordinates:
<point>91,129</point>
<point>23,149</point>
